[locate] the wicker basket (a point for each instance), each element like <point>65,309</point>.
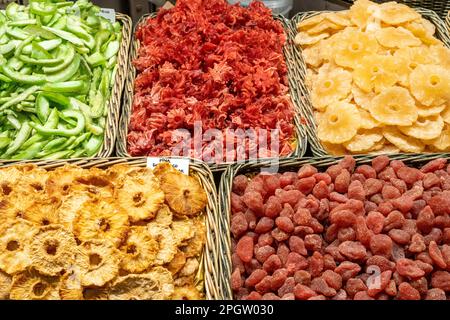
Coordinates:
<point>284,165</point>
<point>209,261</point>
<point>447,20</point>
<point>441,7</point>
<point>289,51</point>
<point>307,107</point>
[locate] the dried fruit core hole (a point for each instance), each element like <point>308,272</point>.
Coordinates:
<point>45,222</point>
<point>39,289</point>
<point>327,84</point>
<point>375,69</point>
<point>104,225</point>
<point>333,118</point>
<point>434,80</point>
<point>186,193</point>
<point>138,197</point>
<point>12,245</point>
<point>131,249</point>
<point>413,65</point>
<point>394,108</point>
<point>37,186</point>
<point>65,187</point>
<point>354,47</point>
<point>6,189</point>
<point>51,247</point>
<point>95,259</point>
<point>421,121</point>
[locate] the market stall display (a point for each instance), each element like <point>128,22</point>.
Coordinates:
<point>225,71</point>
<point>376,79</point>
<point>107,229</point>
<point>374,228</point>
<point>61,78</point>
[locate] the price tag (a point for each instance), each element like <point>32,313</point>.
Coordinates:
<point>109,14</point>
<point>181,165</point>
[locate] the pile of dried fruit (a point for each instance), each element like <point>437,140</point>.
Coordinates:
<point>215,63</point>
<point>120,233</point>
<point>379,79</point>
<point>374,232</point>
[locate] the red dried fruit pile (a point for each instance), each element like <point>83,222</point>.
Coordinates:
<point>370,232</point>
<point>208,61</point>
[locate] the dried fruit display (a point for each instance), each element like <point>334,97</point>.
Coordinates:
<point>379,231</point>
<point>121,233</point>
<point>378,78</point>
<point>224,69</point>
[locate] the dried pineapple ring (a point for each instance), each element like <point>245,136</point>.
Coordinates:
<point>425,128</point>
<point>183,193</point>
<point>367,121</point>
<point>183,230</point>
<point>364,141</point>
<point>430,84</point>
<point>9,209</point>
<point>190,268</point>
<point>187,292</point>
<point>70,287</point>
<point>141,197</point>
<point>164,217</point>
<point>96,293</point>
<point>155,285</point>
<point>30,285</point>
<point>310,22</point>
<point>52,250</point>
<point>101,219</point>
<point>386,149</point>
<point>341,18</point>
<point>399,37</point>
<point>360,13</point>
<point>312,56</point>
<point>376,72</point>
<point>322,26</point>
<point>378,146</point>
<point>5,285</point>
<point>394,106</point>
<point>339,124</point>
<point>425,111</point>
<point>351,46</point>
<point>71,204</point>
<point>177,262</point>
<point>442,143</point>
<point>362,99</point>
<point>334,149</point>
<point>422,29</point>
<point>98,262</point>
<point>404,143</point>
<point>139,250</point>
<point>167,242</point>
<point>43,212</point>
<point>415,56</point>
<point>395,13</point>
<point>9,178</point>
<point>195,245</point>
<point>303,38</point>
<point>14,245</point>
<point>330,87</point>
<point>60,180</point>
<point>441,55</point>
<point>95,182</point>
<point>446,114</point>
<point>33,181</point>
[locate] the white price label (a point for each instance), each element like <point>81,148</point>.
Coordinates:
<point>109,14</point>
<point>181,165</point>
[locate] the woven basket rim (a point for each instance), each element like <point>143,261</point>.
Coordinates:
<point>285,164</point>
<point>198,169</point>
<point>307,108</point>
<point>301,138</point>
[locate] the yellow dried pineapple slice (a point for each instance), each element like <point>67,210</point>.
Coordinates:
<point>415,56</point>
<point>310,22</point>
<point>364,141</point>
<point>310,78</point>
<point>303,38</point>
<point>425,128</point>
<point>386,149</point>
<point>352,46</point>
<point>312,56</point>
<point>424,111</point>
<point>446,113</point>
<point>378,146</point>
<point>394,106</point>
<point>323,26</point>
<point>362,98</point>
<point>367,121</point>
<point>441,143</point>
<point>376,72</point>
<point>441,55</point>
<point>404,143</point>
<point>334,149</point>
<point>340,18</point>
<point>339,124</point>
<point>422,29</point>
<point>30,285</point>
<point>430,84</point>
<point>360,13</point>
<point>327,47</point>
<point>329,87</point>
<point>394,13</point>
<point>399,37</point>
